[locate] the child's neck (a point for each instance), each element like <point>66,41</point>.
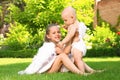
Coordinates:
<point>55,43</point>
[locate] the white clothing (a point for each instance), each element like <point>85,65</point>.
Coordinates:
<point>80,45</point>
<point>43,60</point>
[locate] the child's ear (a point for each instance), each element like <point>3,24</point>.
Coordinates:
<point>48,36</point>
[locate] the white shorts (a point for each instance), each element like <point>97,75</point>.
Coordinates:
<point>80,46</point>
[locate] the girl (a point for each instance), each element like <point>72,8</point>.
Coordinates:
<point>47,60</point>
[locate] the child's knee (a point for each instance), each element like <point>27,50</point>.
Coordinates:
<point>62,55</point>
<point>77,56</point>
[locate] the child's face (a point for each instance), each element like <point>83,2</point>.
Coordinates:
<point>54,34</point>
<point>68,19</point>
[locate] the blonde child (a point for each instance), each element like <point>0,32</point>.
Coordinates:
<point>76,31</point>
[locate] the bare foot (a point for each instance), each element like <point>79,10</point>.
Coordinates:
<point>86,74</point>
<point>100,71</point>
<point>97,71</point>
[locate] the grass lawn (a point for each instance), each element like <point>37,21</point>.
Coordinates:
<point>10,66</point>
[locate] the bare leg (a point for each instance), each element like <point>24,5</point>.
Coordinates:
<point>91,70</point>
<point>78,59</point>
<point>88,68</point>
<point>82,66</point>
<point>67,62</point>
<point>56,65</point>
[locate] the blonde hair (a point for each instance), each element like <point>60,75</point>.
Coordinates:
<point>46,39</point>
<point>69,9</point>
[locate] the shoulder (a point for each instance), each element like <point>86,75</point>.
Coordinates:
<point>72,26</point>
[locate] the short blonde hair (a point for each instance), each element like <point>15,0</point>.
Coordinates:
<point>69,9</point>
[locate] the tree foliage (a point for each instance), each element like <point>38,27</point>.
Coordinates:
<point>84,9</point>
<point>35,15</point>
<point>39,13</point>
<point>0,15</point>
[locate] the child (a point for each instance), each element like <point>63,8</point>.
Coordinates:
<point>47,60</point>
<point>76,31</point>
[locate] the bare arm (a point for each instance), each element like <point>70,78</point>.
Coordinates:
<point>70,34</point>
<point>67,48</point>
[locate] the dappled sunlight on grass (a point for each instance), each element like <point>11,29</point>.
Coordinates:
<point>6,61</point>
<point>9,68</point>
<point>102,59</point>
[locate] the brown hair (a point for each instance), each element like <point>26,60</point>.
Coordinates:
<point>46,39</point>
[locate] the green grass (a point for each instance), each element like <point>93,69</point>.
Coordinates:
<point>10,66</point>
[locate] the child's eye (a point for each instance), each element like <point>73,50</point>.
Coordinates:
<point>65,20</point>
<point>58,31</point>
<point>53,32</point>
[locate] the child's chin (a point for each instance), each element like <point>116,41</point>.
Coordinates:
<point>57,40</point>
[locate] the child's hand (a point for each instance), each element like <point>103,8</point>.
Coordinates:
<point>58,50</point>
<point>60,45</point>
